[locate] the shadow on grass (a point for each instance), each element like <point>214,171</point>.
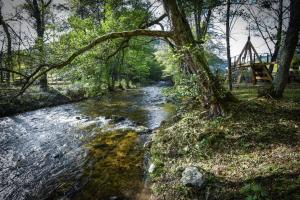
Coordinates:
<point>254,126</point>
<point>283,186</point>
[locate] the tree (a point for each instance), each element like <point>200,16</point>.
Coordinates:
<point>202,13</point>
<point>271,31</point>
<point>9,55</point>
<point>287,53</point>
<point>229,13</point>
<point>213,92</point>
<point>38,9</point>
<point>228,45</point>
<point>116,61</point>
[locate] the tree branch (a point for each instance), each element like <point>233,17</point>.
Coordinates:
<point>126,34</point>
<point>124,43</point>
<point>156,21</point>
<point>14,72</point>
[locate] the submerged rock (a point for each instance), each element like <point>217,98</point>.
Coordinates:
<point>191,177</point>
<point>115,118</point>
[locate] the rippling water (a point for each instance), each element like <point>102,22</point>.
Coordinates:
<point>73,152</point>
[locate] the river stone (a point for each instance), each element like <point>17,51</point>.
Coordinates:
<point>151,168</point>
<point>191,177</point>
<point>186,149</point>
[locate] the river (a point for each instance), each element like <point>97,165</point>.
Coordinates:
<point>82,150</point>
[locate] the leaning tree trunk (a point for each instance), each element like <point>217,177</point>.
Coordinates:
<point>213,94</point>
<point>287,53</point>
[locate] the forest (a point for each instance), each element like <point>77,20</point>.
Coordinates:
<point>149,99</point>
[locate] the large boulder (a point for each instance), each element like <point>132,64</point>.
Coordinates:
<point>191,177</point>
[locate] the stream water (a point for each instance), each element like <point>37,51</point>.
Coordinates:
<point>76,151</point>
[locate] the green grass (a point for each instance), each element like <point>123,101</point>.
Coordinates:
<point>254,153</point>
<point>291,93</point>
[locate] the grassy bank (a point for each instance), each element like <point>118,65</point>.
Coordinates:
<point>254,153</point>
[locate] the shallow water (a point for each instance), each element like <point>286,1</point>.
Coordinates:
<point>73,152</point>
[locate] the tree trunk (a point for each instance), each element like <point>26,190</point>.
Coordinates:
<point>291,40</point>
<point>197,15</point>
<point>213,92</point>
<point>1,71</point>
<point>278,36</point>
<point>127,83</point>
<point>228,45</point>
<point>43,81</point>
<point>9,46</point>
<point>39,15</point>
<point>111,85</point>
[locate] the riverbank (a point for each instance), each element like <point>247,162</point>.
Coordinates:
<point>34,100</point>
<point>253,153</point>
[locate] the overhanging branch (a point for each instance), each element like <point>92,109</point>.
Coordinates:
<point>94,43</point>
<point>114,35</point>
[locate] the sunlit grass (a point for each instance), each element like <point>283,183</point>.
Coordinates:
<point>291,93</point>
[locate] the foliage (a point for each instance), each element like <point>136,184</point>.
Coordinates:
<point>108,65</point>
<point>186,86</point>
<point>296,61</point>
<point>254,192</point>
